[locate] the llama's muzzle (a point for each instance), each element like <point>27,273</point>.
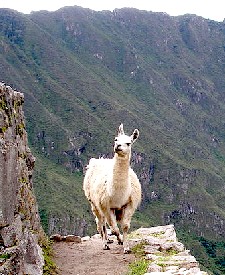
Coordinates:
<point>117,148</point>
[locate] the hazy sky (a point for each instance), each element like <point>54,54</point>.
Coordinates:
<point>212,9</point>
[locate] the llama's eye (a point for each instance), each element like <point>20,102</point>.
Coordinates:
<point>128,144</point>
<point>115,139</point>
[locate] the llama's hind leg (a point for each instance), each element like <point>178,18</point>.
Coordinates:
<point>111,219</point>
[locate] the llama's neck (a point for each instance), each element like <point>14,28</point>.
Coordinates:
<point>120,178</point>
<point>119,187</point>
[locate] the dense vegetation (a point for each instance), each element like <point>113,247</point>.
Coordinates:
<point>85,72</point>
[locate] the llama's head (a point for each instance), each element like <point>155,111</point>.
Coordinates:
<point>122,145</point>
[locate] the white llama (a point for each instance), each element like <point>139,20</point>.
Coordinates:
<point>113,189</point>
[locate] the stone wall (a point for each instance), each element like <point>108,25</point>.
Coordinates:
<point>166,255</point>
<point>20,228</point>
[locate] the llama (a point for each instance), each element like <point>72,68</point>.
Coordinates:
<point>113,189</point>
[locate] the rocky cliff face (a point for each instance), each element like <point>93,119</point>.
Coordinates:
<point>20,228</point>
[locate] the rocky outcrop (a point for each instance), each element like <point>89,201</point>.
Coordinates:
<point>20,228</point>
<point>68,238</point>
<point>165,253</point>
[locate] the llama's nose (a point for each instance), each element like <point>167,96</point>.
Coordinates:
<point>118,148</point>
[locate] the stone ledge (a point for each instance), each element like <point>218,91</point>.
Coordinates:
<point>165,253</point>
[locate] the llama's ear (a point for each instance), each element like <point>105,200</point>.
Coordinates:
<point>121,131</point>
<point>135,135</point>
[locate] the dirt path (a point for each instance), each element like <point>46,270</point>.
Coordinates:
<point>89,258</point>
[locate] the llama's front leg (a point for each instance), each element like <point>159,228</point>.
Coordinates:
<point>126,248</point>
<point>101,227</point>
<point>125,225</point>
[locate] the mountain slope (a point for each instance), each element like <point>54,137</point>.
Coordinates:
<point>85,72</point>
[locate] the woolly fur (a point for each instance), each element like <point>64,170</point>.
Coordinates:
<point>113,189</point>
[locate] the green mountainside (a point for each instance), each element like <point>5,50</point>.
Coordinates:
<point>84,72</point>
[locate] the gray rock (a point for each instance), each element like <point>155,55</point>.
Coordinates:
<point>154,268</point>
<point>177,246</point>
<point>20,227</point>
<point>72,238</point>
<point>165,253</point>
<point>56,238</point>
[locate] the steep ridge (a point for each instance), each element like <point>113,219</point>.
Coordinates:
<point>20,230</point>
<point>82,72</point>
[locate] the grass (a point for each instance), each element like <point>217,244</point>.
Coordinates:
<point>5,256</point>
<point>140,265</point>
<point>138,249</point>
<point>50,267</point>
